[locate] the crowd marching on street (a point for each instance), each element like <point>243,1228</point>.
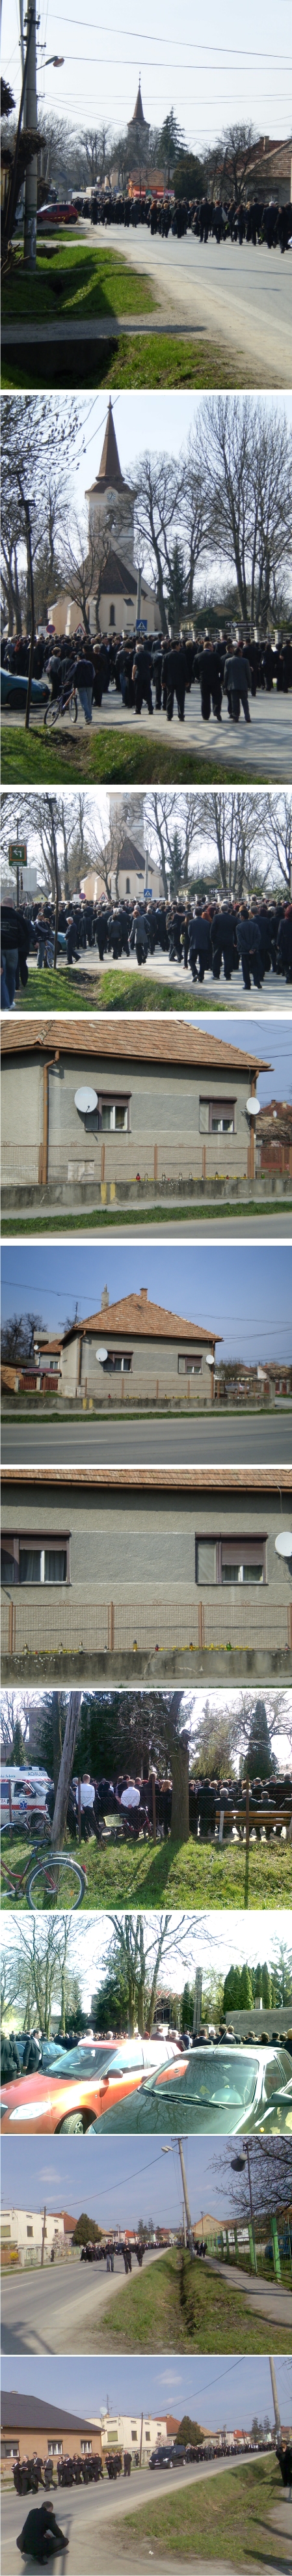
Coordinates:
<point>227,220</point>
<point>229,667</point>
<point>202,937</point>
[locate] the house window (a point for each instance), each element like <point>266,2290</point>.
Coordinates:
<point>29,2231</point>
<point>217,1117</point>
<point>86,2446</point>
<point>36,1562</point>
<point>115,1116</point>
<point>112,616</point>
<point>9,2450</point>
<point>189,1366</point>
<point>128,888</point>
<point>119,1360</point>
<point>225,1561</point>
<point>134,2435</point>
<point>55,2450</point>
<point>147,2434</point>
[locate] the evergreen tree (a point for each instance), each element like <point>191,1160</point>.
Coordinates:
<point>18,1748</point>
<point>266,1986</point>
<point>232,1991</point>
<point>187,2007</point>
<point>188,2431</point>
<point>87,2230</point>
<point>259,1756</point>
<point>110,2005</point>
<point>177,593</point>
<point>246,1993</point>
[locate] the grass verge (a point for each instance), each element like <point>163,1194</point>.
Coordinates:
<point>114,990</point>
<point>101,1220</point>
<point>79,282</point>
<point>231,2519</point>
<point>177,2306</point>
<point>109,756</point>
<point>150,359</point>
<point>186,1874</point>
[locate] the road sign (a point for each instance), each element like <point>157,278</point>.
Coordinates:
<point>17,854</point>
<point>141,625</point>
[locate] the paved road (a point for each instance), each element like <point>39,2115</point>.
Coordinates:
<point>273,997</point>
<point>254,1440</point>
<point>242,296</point>
<point>91,2513</point>
<point>275,1227</point>
<point>56,2310</point>
<point>257,751</point>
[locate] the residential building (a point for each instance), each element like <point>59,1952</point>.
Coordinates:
<point>22,2233</point>
<point>137,1350</point>
<point>29,2424</point>
<point>124,2431</point>
<point>97,1109</point>
<point>97,1560</point>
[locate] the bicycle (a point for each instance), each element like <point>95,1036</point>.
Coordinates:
<point>66,703</point>
<point>52,1879</point>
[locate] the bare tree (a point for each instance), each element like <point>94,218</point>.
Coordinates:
<point>15,1709</point>
<point>233,157</point>
<point>278,833</point>
<point>233,821</point>
<point>158,485</point>
<point>165,814</point>
<point>249,450</point>
<point>140,1944</point>
<point>95,143</point>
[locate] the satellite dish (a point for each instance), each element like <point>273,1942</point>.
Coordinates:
<point>283,1543</point>
<point>253,1105</point>
<point>101,1354</point>
<point>85,1101</point>
<point>210,1359</point>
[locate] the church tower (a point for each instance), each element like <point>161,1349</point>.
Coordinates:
<point>137,124</point>
<point>110,500</point>
<point>130,811</point>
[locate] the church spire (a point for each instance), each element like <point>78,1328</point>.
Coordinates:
<point>138,119</point>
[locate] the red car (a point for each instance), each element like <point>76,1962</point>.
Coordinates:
<point>87,2082</point>
<point>59,214</point>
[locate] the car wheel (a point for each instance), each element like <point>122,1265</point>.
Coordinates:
<point>72,2127</point>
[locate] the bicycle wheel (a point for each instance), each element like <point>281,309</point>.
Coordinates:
<point>73,707</point>
<point>52,711</point>
<point>53,1882</point>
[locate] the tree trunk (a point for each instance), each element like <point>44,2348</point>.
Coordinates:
<point>57,1737</point>
<point>180,1791</point>
<point>61,1802</point>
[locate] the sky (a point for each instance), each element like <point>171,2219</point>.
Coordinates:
<point>239,71</point>
<point>214,2390</point>
<point>119,2181</point>
<point>194,1940</point>
<point>246,1299</point>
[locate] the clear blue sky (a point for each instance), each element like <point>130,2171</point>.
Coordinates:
<point>237,70</point>
<point>231,1289</point>
<point>121,2180</point>
<point>214,2389</point>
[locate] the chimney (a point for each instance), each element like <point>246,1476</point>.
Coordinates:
<point>104,1298</point>
<point>144,1292</point>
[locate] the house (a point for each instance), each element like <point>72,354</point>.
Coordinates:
<point>30,2424</point>
<point>137,1350</point>
<point>124,2432</point>
<point>117,1107</point>
<point>103,1560</point>
<point>112,572</point>
<point>22,2235</point>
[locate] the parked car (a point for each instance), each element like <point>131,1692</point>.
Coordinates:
<point>214,2091</point>
<point>28,1795</point>
<point>86,2081</point>
<point>14,690</point>
<point>61,213</point>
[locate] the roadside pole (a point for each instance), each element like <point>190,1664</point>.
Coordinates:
<point>43,2238</point>
<point>31,113</point>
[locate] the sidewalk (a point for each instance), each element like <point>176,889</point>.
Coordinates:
<point>269,2299</point>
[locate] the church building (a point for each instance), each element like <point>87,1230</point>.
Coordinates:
<point>112,572</point>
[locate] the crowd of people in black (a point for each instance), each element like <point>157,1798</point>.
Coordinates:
<point>205,938</point>
<point>225,219</point>
<point>229,666</point>
<point>130,1800</point>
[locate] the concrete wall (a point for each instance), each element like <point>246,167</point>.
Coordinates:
<point>141,1545</point>
<point>164,1105</point>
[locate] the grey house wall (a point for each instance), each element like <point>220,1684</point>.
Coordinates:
<point>153,1362</point>
<point>142,1544</point>
<point>164,1105</point>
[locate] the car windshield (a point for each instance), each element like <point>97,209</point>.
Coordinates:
<point>82,2062</point>
<point>216,2079</point>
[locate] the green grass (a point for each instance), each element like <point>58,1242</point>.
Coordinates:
<point>183,1874</point>
<point>81,281</point>
<point>108,757</point>
<point>224,2518</point>
<point>151,359</point>
<point>114,990</point>
<point>97,1220</point>
<point>61,991</point>
<point>177,2306</point>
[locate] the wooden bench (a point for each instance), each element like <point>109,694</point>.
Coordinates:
<point>247,1816</point>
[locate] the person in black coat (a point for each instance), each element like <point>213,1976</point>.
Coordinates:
<point>210,684</point>
<point>41,2536</point>
<point>142,680</point>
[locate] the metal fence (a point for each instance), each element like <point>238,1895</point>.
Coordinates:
<point>56,1624</point>
<point>264,2247</point>
<point>111,1159</point>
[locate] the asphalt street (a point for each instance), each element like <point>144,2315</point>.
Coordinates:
<point>56,2310</point>
<point>256,751</point>
<point>272,998</point>
<point>88,2516</point>
<point>241,296</point>
<point>275,1227</point>
<point>253,1440</point>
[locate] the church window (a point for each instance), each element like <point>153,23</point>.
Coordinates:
<point>112,614</point>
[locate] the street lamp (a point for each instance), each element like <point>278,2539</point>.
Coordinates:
<point>239,2164</point>
<point>167,2150</point>
<point>252,1108</point>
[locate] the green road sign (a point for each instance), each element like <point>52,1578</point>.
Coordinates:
<point>17,854</point>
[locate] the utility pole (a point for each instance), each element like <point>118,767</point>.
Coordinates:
<point>138,608</point>
<point>186,2200</point>
<point>43,2238</point>
<point>27,506</point>
<point>275,2396</point>
<point>31,115</point>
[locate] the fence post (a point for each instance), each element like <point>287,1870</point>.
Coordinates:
<point>40,1166</point>
<point>156,1162</point>
<point>111,1626</point>
<point>79,1810</point>
<point>247,1815</point>
<point>252,2247</point>
<point>102,1166</point>
<point>276,2249</point>
<point>153,1808</point>
<point>201,1626</point>
<point>289,1623</point>
<point>10,1629</point>
<point>203,1162</point>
